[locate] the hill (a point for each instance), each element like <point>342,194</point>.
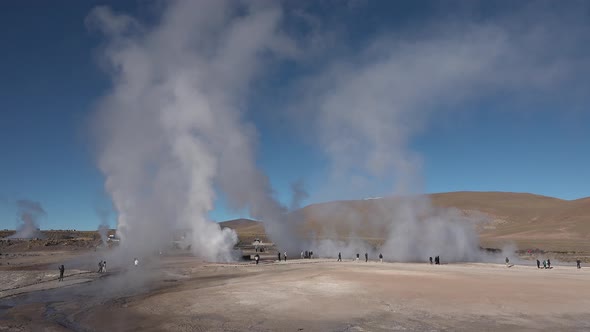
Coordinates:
<point>248,230</point>
<point>527,220</point>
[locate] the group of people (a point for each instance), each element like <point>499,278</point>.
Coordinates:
<point>546,264</point>
<point>358,257</point>
<point>102,266</point>
<point>284,256</point>
<point>307,254</point>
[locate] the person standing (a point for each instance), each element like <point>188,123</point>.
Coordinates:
<point>302,255</point>
<point>381,257</point>
<point>339,257</point>
<point>100,267</point>
<point>279,254</point>
<point>256,258</point>
<point>507,261</point>
<point>548,263</point>
<point>538,264</point>
<point>104,266</point>
<point>366,257</point>
<point>579,264</point>
<point>357,256</point>
<point>285,256</point>
<point>61,273</point>
<point>430,258</point>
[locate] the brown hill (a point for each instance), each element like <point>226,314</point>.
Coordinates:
<point>248,230</point>
<point>527,220</point>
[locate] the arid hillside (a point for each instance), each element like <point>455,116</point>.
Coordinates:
<point>48,240</point>
<point>526,220</point>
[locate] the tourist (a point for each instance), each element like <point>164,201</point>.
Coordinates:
<point>381,257</point>
<point>339,257</point>
<point>61,273</point>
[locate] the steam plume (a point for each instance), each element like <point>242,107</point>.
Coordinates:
<point>103,227</point>
<point>299,194</point>
<point>369,106</point>
<point>172,126</point>
<point>28,214</point>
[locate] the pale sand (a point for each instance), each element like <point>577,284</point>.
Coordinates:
<point>184,294</point>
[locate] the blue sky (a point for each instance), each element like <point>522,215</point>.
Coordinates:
<point>511,140</point>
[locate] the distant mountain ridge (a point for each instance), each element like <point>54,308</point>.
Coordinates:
<point>527,220</point>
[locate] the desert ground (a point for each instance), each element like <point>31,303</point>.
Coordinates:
<point>175,291</point>
<point>178,292</point>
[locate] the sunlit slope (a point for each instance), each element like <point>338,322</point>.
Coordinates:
<point>527,220</point>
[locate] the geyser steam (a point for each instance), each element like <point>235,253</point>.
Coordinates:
<point>171,127</point>
<point>28,214</point>
<point>368,106</point>
<point>103,227</point>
